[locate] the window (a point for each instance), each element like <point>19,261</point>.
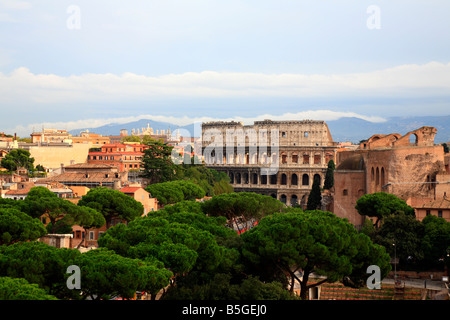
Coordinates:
<point>428,212</point>
<point>273,179</point>
<point>345,192</point>
<point>294,158</point>
<point>263,179</point>
<point>283,134</point>
<point>305,180</point>
<point>91,235</point>
<point>306,134</point>
<point>317,159</point>
<point>283,179</point>
<point>306,158</point>
<point>294,179</point>
<point>440,213</point>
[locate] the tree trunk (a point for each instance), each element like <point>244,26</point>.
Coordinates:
<point>237,225</point>
<point>304,286</point>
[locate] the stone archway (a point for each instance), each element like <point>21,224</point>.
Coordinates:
<point>294,179</point>
<point>305,180</point>
<point>294,200</point>
<point>283,179</point>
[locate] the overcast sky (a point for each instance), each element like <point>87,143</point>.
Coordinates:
<point>71,64</point>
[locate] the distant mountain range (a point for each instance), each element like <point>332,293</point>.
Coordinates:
<point>355,129</point>
<point>344,129</point>
<point>113,129</point>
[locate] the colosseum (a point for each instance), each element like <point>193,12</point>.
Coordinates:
<point>276,158</point>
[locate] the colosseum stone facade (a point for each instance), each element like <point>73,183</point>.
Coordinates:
<point>276,158</point>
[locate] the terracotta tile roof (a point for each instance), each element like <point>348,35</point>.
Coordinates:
<point>129,189</point>
<point>122,145</point>
<point>438,204</point>
<point>19,192</point>
<point>88,166</point>
<point>75,176</point>
<point>112,153</point>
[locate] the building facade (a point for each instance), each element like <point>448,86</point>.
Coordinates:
<point>276,158</point>
<point>409,166</point>
<point>125,157</point>
<point>94,139</point>
<point>144,197</point>
<point>90,176</point>
<point>50,136</point>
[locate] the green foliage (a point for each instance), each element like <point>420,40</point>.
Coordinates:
<point>329,176</point>
<point>112,204</point>
<point>18,226</point>
<point>36,193</point>
<point>10,203</point>
<point>380,205</point>
<point>180,246</point>
<point>106,275</point>
<point>131,139</point>
<point>179,237</point>
<point>61,226</point>
<point>21,289</point>
<point>88,218</point>
<point>190,212</point>
<point>18,158</point>
<point>368,228</point>
<point>157,162</point>
<point>222,288</point>
<point>403,230</point>
<point>39,263</point>
<point>311,241</point>
<point>247,207</point>
<point>174,191</point>
<point>222,187</point>
<point>436,241</point>
<point>315,197</point>
<point>212,181</point>
<point>159,167</point>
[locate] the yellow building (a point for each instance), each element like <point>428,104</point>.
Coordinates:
<point>96,140</point>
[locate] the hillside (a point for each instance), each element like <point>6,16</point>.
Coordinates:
<point>344,129</point>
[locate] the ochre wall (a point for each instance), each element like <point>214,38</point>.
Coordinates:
<point>53,157</point>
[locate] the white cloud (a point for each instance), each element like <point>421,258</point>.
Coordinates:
<point>49,93</point>
<point>407,80</point>
<point>15,4</point>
